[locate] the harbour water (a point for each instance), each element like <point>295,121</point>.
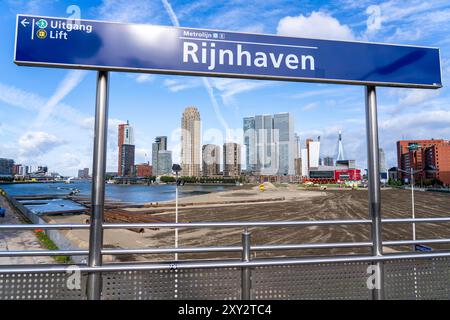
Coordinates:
<point>137,194</point>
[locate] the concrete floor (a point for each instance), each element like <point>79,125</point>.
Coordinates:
<point>18,240</point>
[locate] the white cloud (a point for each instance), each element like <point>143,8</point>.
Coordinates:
<point>71,81</point>
<point>180,84</point>
<point>37,143</point>
<point>69,161</point>
<point>311,106</point>
<point>416,96</point>
<point>231,87</point>
<point>31,6</point>
<point>143,155</point>
<point>171,13</point>
<point>143,78</point>
<point>32,102</point>
<point>429,120</point>
<point>317,25</point>
<point>127,11</point>
<point>399,22</point>
<point>19,98</point>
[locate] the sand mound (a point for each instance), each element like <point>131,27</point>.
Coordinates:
<point>267,186</point>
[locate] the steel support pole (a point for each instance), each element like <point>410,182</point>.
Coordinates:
<point>413,206</point>
<point>246,281</point>
<point>176,215</point>
<point>374,187</point>
<point>94,282</point>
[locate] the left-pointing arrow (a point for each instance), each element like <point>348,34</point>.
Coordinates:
<point>25,22</point>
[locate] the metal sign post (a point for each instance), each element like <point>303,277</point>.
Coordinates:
<point>374,185</point>
<point>94,282</point>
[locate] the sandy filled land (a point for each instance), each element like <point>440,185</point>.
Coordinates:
<point>276,204</point>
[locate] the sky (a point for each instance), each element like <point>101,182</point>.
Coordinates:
<point>47,115</point>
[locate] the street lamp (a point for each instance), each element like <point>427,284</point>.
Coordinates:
<point>411,173</point>
<point>176,168</point>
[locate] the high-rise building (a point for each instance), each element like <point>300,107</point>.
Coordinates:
<point>231,160</point>
<point>164,162</point>
<point>210,160</point>
<point>190,142</point>
<point>250,144</point>
<point>266,156</point>
<point>126,168</point>
<point>297,146</point>
<point>313,153</point>
<point>340,148</point>
<point>270,144</point>
<point>125,137</point>
<point>305,162</point>
<point>160,144</point>
<point>382,160</point>
<point>6,166</point>
<point>83,173</point>
<point>283,124</point>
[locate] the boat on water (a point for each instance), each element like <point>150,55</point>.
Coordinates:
<point>69,180</point>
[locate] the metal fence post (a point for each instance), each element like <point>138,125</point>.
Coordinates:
<point>246,281</point>
<point>374,186</point>
<point>94,283</point>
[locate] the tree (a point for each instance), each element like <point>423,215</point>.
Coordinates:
<point>167,179</point>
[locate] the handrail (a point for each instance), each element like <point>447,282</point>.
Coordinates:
<point>245,224</point>
<point>114,267</point>
<point>185,249</point>
<point>187,225</point>
<point>35,253</point>
<point>218,224</point>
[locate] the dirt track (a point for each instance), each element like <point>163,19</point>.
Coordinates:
<point>333,205</point>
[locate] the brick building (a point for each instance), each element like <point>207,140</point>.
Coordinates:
<point>429,158</point>
<point>144,170</point>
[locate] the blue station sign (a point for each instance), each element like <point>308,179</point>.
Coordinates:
<point>95,45</point>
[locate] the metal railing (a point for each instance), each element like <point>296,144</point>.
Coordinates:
<point>246,248</point>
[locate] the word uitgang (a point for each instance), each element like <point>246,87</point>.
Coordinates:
<point>209,55</point>
<point>58,24</point>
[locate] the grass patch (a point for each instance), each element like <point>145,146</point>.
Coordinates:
<point>280,185</point>
<point>47,243</point>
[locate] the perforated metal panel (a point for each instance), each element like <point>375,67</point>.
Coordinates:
<point>418,279</point>
<point>212,284</point>
<point>39,286</point>
<point>405,279</point>
<point>323,281</point>
<point>139,285</point>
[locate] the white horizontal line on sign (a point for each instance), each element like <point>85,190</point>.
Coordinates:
<point>245,42</point>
